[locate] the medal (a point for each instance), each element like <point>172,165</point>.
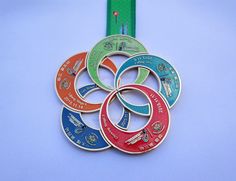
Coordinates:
<point>167,77</point>
<point>66,80</point>
<point>144,139</point>
<point>114,45</point>
<point>79,133</point>
<point>119,41</point>
<point>83,136</point>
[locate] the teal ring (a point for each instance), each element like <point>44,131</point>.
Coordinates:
<point>166,74</point>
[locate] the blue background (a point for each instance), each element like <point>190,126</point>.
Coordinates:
<point>197,36</point>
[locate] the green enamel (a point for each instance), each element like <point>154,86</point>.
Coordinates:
<point>113,45</point>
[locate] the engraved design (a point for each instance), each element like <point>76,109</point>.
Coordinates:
<point>145,137</point>
<point>166,84</point>
<point>74,70</point>
<point>123,47</point>
<point>64,84</point>
<point>91,139</point>
<point>79,125</point>
<point>108,45</point>
<point>157,127</point>
<point>161,67</point>
<point>142,135</point>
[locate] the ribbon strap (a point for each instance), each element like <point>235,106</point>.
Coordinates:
<point>121,17</point>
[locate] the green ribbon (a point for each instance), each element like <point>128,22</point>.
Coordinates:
<point>121,17</point>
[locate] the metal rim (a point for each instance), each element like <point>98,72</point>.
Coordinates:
<point>168,113</point>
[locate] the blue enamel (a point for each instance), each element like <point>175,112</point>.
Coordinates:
<point>169,81</point>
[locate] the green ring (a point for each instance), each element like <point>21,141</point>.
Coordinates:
<point>115,45</point>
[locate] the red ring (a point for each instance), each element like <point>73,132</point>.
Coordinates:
<point>144,139</point>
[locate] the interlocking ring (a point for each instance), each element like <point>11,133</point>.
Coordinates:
<point>166,74</point>
<point>115,45</point>
<point>144,139</point>
<point>66,82</point>
<point>83,136</point>
<point>117,135</point>
<point>72,122</point>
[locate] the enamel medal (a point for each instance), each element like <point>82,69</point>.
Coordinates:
<point>120,40</point>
